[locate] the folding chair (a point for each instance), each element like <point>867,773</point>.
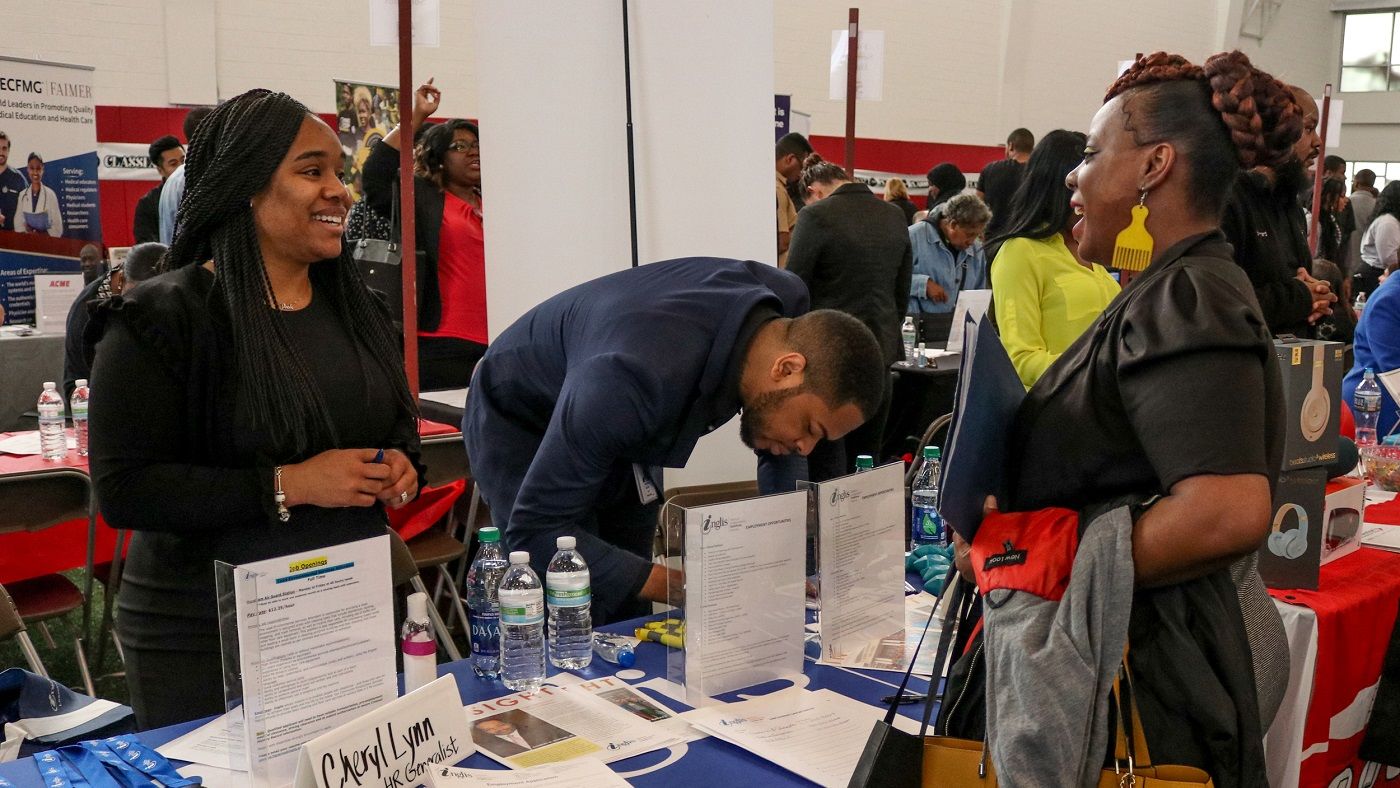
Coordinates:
<point>404,571</point>
<point>33,502</point>
<point>12,626</point>
<point>432,546</point>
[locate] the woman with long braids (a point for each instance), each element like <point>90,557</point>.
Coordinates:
<point>1044,294</point>
<point>1170,404</point>
<point>246,394</point>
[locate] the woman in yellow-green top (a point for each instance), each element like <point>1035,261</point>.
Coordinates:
<point>1044,296</point>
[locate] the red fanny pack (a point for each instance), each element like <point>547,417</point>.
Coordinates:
<point>1026,551</point>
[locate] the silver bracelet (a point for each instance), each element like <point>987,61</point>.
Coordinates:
<point>279,496</point>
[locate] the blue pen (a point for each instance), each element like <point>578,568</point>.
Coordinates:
<point>379,456</point>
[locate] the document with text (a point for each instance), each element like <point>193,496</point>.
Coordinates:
<point>861,528</point>
<point>744,593</point>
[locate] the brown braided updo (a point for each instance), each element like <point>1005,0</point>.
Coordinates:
<point>1224,116</point>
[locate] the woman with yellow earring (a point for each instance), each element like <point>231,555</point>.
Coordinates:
<point>1171,405</point>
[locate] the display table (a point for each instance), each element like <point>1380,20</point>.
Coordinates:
<point>25,364</point>
<point>920,395</point>
<point>1337,638</point>
<point>704,762</point>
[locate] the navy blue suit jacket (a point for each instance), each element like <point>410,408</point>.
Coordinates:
<point>628,368</point>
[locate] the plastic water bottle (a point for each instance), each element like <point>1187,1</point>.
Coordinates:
<point>1359,305</point>
<point>52,441</point>
<point>483,605</point>
<point>911,335</point>
<point>921,356</point>
<point>522,625</point>
<point>1366,404</point>
<point>418,644</point>
<point>926,523</point>
<point>569,596</point>
<point>615,649</point>
<point>79,408</point>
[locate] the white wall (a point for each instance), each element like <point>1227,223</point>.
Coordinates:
<point>552,87</point>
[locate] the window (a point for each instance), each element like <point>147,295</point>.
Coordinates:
<point>1371,53</point>
<point>1386,171</point>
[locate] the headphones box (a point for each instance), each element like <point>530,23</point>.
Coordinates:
<point>1312,391</point>
<point>1341,531</point>
<point>1292,552</point>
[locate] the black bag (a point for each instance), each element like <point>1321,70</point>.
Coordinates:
<point>380,262</point>
<point>893,758</point>
<point>964,716</point>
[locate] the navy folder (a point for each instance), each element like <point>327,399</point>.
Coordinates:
<point>988,395</point>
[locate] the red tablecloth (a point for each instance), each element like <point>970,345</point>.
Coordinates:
<point>1355,602</point>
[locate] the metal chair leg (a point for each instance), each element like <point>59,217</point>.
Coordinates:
<point>459,611</point>
<point>83,666</point>
<point>48,636</point>
<point>444,636</point>
<point>114,580</point>
<point>460,577</point>
<point>31,655</point>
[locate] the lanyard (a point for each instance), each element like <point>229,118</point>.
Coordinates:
<point>119,761</point>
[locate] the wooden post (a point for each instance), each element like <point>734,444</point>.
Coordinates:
<point>1317,176</point>
<point>852,53</point>
<point>408,238</point>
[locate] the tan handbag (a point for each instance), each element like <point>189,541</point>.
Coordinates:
<point>963,763</point>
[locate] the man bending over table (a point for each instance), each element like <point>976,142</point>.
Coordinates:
<point>576,407</point>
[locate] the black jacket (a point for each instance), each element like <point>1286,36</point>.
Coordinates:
<point>145,224</point>
<point>1266,227</point>
<point>852,249</point>
<point>380,171</point>
<point>176,459</point>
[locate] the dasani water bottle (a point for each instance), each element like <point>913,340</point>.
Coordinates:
<point>483,605</point>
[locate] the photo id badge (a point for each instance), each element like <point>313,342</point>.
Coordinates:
<point>646,490</point>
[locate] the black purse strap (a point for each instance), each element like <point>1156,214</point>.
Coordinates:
<point>958,606</point>
<point>904,682</point>
<point>395,221</point>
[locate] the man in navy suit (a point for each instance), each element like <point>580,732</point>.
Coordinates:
<point>575,407</point>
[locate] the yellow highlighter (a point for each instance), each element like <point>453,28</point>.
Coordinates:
<point>660,636</point>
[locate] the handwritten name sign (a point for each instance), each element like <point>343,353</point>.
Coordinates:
<point>393,746</point>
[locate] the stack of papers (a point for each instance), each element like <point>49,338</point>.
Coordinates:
<point>550,775</point>
<point>817,735</point>
<point>1382,537</point>
<point>561,723</point>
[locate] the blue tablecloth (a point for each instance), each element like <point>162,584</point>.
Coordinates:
<point>704,762</point>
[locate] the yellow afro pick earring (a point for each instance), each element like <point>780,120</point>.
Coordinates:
<point>1132,251</point>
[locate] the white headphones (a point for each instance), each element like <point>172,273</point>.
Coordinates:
<point>1289,544</point>
<point>1317,405</point>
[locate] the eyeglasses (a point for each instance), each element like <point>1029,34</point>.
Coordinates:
<point>465,147</point>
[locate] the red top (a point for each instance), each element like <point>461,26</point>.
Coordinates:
<point>461,272</point>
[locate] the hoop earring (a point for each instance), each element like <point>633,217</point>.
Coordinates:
<point>1132,250</point>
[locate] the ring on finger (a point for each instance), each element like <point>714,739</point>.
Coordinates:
<point>403,497</point>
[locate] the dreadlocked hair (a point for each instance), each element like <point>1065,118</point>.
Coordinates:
<point>233,155</point>
<point>1224,116</point>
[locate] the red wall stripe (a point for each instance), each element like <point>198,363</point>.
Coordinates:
<point>144,124</point>
<point>906,156</point>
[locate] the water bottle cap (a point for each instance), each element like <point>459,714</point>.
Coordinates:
<point>626,658</point>
<point>80,382</point>
<point>865,461</point>
<point>932,453</point>
<point>49,384</point>
<point>519,557</point>
<point>489,534</point>
<point>418,606</point>
<point>566,543</point>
